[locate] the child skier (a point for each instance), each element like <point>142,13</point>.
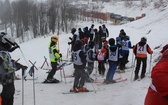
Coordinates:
<point>90,57</point>
<point>113,54</point>
<point>79,65</point>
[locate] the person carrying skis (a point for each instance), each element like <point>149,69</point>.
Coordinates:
<point>140,50</point>
<point>158,90</point>
<point>90,58</point>
<point>54,58</point>
<point>79,65</point>
<point>8,68</point>
<point>113,55</point>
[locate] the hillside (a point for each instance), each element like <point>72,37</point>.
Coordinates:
<point>153,26</point>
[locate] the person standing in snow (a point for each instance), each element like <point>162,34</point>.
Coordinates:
<point>101,37</point>
<point>96,40</point>
<point>140,50</point>
<point>54,58</point>
<point>91,30</point>
<point>158,91</point>
<point>105,32</point>
<point>7,69</point>
<point>79,65</point>
<point>113,54</point>
<point>126,45</point>
<point>90,58</point>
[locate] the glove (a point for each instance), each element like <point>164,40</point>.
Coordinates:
<point>60,55</point>
<point>69,43</point>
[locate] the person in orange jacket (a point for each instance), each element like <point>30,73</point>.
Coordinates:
<point>140,50</point>
<point>158,91</point>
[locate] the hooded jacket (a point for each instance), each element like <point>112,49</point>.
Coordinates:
<point>158,90</point>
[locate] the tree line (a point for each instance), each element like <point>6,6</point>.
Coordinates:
<point>23,17</point>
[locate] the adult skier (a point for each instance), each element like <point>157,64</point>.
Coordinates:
<point>140,50</point>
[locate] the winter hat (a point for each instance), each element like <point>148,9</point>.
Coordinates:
<point>73,30</point>
<point>164,48</point>
<point>111,41</point>
<point>143,39</point>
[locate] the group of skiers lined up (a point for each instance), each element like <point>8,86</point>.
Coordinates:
<point>115,51</point>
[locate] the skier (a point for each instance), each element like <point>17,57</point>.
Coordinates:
<point>81,34</point>
<point>91,30</point>
<point>90,58</point>
<point>140,50</point>
<point>122,32</point>
<point>113,54</point>
<point>126,45</point>
<point>158,91</point>
<point>73,38</point>
<point>96,40</point>
<point>101,58</point>
<point>101,37</point>
<point>54,58</point>
<point>7,69</point>
<point>105,32</point>
<point>79,65</point>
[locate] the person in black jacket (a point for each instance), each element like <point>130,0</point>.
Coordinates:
<point>79,65</point>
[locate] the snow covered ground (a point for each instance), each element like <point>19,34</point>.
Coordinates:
<point>123,93</point>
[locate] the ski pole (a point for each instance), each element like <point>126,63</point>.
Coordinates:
<point>32,70</point>
<point>91,82</point>
<point>24,56</point>
<point>133,69</point>
<point>150,64</point>
<point>23,78</point>
<point>63,71</point>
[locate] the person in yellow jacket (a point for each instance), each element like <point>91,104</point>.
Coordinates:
<point>141,50</point>
<point>54,58</point>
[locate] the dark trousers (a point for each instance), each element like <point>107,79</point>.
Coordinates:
<point>138,64</point>
<point>124,60</point>
<point>91,37</point>
<point>80,77</point>
<point>53,70</point>
<point>101,68</point>
<point>7,94</point>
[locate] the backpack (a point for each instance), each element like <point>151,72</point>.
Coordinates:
<point>101,55</point>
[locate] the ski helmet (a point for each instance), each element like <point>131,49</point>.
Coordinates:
<point>54,39</point>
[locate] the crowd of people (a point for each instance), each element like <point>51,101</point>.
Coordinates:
<point>94,44</point>
<point>88,46</point>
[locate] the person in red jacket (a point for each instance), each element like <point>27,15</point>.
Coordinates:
<point>158,91</point>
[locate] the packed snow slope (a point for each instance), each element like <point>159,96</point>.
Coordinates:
<point>153,26</point>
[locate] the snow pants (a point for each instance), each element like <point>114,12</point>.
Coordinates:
<point>138,64</point>
<point>111,71</point>
<point>53,70</point>
<point>80,77</point>
<point>7,94</point>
